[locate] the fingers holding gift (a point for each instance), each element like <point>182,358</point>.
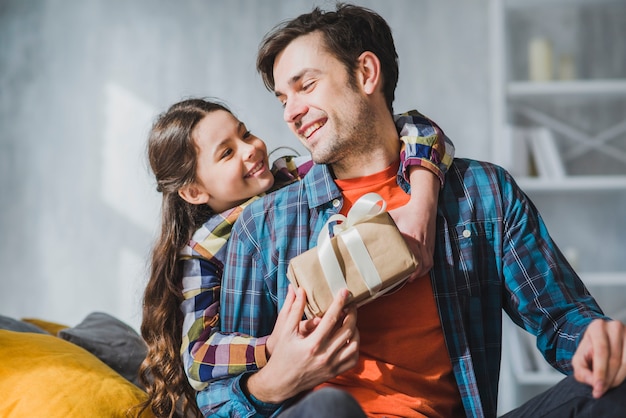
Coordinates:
<point>299,362</point>
<point>288,318</point>
<point>334,315</point>
<point>340,347</point>
<point>348,353</point>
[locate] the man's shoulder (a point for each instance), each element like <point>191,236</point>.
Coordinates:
<point>276,199</point>
<point>464,169</point>
<point>317,186</point>
<point>470,163</point>
<point>272,204</point>
<point>481,183</point>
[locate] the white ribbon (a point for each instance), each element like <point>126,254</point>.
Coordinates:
<point>366,206</point>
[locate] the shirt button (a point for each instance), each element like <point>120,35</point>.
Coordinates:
<point>467,233</point>
<point>336,203</point>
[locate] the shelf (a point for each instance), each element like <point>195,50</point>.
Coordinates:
<point>612,278</point>
<point>525,4</point>
<point>548,378</point>
<point>573,183</point>
<point>583,112</point>
<point>521,89</point>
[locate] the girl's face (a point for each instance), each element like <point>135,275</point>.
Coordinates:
<point>232,163</point>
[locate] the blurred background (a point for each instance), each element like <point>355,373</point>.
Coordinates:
<point>82,81</point>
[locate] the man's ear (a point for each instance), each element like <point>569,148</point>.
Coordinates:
<point>193,194</point>
<point>369,73</point>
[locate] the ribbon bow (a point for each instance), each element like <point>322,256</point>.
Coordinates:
<point>367,206</point>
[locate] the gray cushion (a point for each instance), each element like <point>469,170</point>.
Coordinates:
<point>11,324</point>
<point>112,341</point>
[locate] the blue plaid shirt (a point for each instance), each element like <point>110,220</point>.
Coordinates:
<point>492,252</point>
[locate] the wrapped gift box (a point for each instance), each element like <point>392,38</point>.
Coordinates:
<point>367,254</point>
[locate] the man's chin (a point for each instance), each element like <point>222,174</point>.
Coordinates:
<point>321,160</point>
<point>319,156</point>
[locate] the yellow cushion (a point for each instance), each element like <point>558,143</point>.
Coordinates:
<point>42,375</point>
<point>51,327</point>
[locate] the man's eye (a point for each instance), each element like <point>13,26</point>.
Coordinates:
<point>308,85</point>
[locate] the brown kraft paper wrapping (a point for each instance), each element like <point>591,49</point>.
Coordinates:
<point>385,246</point>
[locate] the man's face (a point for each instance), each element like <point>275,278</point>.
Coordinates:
<point>321,107</point>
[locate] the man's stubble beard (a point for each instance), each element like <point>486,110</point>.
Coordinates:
<point>356,141</point>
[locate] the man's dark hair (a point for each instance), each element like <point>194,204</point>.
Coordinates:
<point>348,32</point>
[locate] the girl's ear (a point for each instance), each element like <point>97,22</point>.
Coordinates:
<point>193,194</point>
<point>369,72</point>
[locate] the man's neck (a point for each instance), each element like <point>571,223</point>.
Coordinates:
<point>370,160</point>
<point>363,164</point>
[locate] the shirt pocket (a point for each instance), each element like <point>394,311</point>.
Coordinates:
<point>475,256</point>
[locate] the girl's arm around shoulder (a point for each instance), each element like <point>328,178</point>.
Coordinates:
<point>425,157</point>
<point>424,144</point>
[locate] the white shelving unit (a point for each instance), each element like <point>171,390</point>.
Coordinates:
<point>519,89</point>
<point>582,113</point>
<point>518,102</point>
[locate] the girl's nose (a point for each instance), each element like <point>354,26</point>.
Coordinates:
<point>249,150</point>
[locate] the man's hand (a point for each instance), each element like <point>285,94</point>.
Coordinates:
<point>600,359</point>
<point>306,326</point>
<point>305,355</point>
<point>417,220</point>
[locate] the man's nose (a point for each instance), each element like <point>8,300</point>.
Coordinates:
<point>294,110</point>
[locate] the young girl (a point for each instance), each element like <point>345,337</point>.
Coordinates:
<point>208,167</point>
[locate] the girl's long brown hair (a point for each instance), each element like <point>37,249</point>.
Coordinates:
<point>172,156</point>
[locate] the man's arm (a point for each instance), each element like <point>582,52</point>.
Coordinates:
<point>300,361</point>
<point>545,295</point>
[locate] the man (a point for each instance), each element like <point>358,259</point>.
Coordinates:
<point>432,348</point>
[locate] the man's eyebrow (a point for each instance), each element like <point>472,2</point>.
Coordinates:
<point>293,80</point>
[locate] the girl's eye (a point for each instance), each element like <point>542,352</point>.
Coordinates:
<point>226,153</point>
<point>247,135</point>
<point>307,86</point>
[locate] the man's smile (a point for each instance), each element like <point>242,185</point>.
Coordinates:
<point>309,130</point>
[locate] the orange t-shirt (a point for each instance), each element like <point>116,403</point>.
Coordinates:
<point>404,369</point>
